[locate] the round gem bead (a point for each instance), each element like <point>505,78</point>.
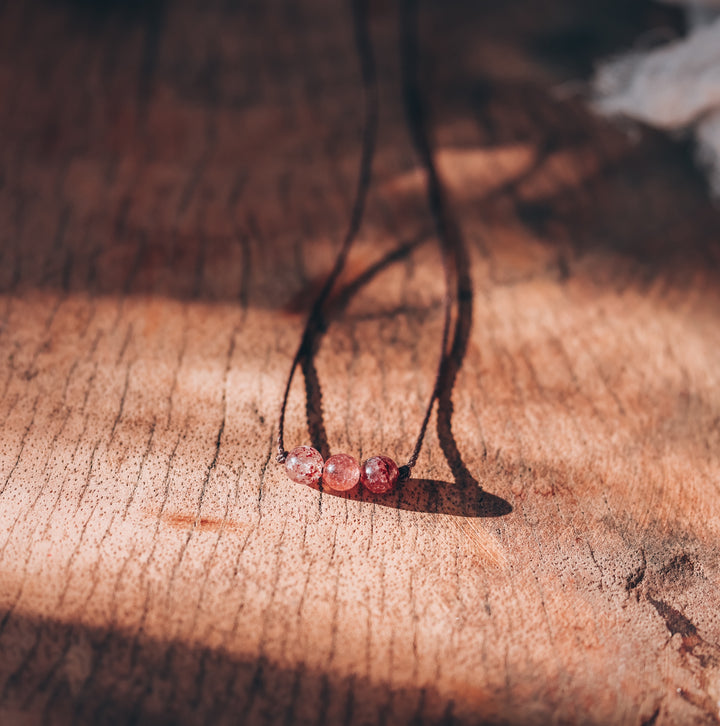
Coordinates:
<point>304,465</point>
<point>379,474</point>
<point>341,473</point>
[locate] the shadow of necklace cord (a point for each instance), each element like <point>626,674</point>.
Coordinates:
<point>464,497</point>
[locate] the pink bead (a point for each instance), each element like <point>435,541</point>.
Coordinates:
<point>341,473</point>
<point>379,474</point>
<point>304,465</point>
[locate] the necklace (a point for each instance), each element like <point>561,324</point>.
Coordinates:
<point>342,472</point>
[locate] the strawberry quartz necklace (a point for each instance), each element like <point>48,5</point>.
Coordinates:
<point>342,472</point>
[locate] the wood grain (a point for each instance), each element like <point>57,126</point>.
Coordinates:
<point>174,180</point>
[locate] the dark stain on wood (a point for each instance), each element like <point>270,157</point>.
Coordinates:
<point>675,621</point>
<point>637,576</point>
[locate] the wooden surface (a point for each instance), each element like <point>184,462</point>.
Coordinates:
<point>174,179</point>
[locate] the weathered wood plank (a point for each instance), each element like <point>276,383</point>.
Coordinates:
<point>174,181</point>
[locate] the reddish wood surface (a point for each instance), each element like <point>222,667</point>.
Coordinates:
<point>174,180</point>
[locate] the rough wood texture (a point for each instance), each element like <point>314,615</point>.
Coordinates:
<point>173,182</point>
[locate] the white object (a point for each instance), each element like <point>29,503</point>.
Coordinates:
<point>676,86</point>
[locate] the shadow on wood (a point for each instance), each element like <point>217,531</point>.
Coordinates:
<point>135,679</point>
<point>462,499</point>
